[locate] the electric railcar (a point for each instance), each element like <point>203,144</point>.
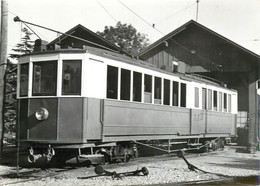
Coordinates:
<point>102,101</point>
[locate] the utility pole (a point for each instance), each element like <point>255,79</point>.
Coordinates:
<point>3,62</point>
<point>197,12</point>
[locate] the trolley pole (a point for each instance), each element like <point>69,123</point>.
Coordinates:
<point>3,62</point>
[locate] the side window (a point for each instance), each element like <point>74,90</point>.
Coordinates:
<point>183,95</point>
<point>215,100</point>
<point>44,78</point>
<point>71,81</point>
<point>137,87</point>
<point>147,88</point>
<point>24,79</point>
<point>209,99</point>
<point>220,101</point>
<point>225,102</point>
<point>229,102</point>
<point>157,90</point>
<point>196,100</point>
<point>166,92</point>
<point>125,84</point>
<point>204,98</point>
<point>175,93</point>
<point>112,82</point>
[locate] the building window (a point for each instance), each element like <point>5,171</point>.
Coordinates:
<point>196,101</point>
<point>112,82</point>
<point>44,78</point>
<point>166,92</point>
<point>157,90</point>
<point>183,95</point>
<point>71,81</point>
<point>24,79</point>
<point>125,84</point>
<point>175,93</point>
<point>209,99</point>
<point>147,88</point>
<point>137,86</point>
<point>215,100</point>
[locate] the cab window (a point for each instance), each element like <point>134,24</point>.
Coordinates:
<point>24,78</point>
<point>71,77</point>
<point>44,78</point>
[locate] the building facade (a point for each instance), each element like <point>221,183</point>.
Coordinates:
<point>207,53</point>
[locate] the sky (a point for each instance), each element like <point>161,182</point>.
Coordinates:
<point>237,20</point>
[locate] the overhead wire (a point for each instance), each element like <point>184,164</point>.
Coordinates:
<point>140,17</point>
<point>217,66</point>
<point>175,13</point>
<point>184,9</point>
<point>107,12</point>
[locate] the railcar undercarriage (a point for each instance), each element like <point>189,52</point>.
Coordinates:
<point>98,154</point>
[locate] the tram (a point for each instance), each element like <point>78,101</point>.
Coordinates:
<point>101,103</point>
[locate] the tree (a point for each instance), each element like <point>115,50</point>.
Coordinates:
<point>126,37</point>
<point>25,47</point>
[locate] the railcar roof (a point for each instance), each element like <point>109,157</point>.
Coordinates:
<point>133,61</point>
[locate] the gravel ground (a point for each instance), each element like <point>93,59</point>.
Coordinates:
<point>167,169</point>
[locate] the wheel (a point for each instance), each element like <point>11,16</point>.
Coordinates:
<point>127,158</point>
<point>213,145</point>
<point>180,154</point>
<point>145,171</point>
<point>99,170</point>
<point>106,153</point>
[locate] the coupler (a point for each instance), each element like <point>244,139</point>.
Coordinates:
<point>33,158</point>
<point>101,171</point>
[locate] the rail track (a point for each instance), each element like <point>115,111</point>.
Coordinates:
<point>33,174</point>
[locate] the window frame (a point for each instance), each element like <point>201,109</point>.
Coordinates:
<point>28,79</point>
<point>115,85</point>
<point>62,79</point>
<point>55,77</point>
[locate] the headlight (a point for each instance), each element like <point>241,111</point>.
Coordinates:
<point>41,114</point>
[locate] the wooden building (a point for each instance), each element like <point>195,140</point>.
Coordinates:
<point>78,37</point>
<point>207,53</point>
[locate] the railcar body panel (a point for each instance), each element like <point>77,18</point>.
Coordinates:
<point>64,123</point>
<point>71,120</point>
<point>219,122</point>
<point>135,121</point>
<point>198,121</point>
<point>37,129</point>
<point>138,121</point>
<point>92,119</point>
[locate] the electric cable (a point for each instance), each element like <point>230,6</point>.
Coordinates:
<point>217,66</point>
<point>107,11</point>
<point>184,9</point>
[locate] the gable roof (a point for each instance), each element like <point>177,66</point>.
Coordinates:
<point>87,37</point>
<point>196,24</point>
